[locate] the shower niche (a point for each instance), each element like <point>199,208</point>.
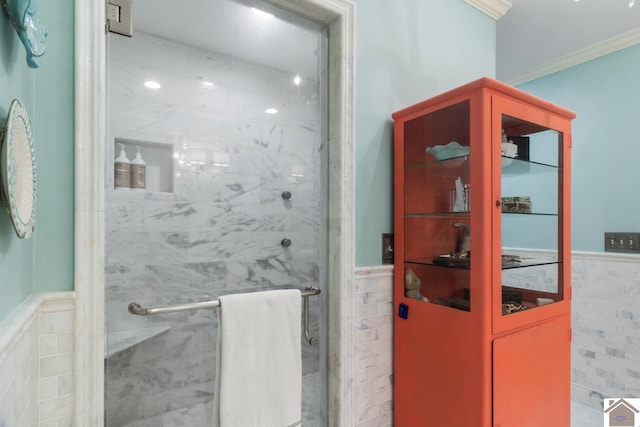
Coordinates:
<point>158,158</point>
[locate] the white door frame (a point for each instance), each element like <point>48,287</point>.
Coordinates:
<point>90,140</point>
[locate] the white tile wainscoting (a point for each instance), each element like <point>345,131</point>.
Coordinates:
<point>605,348</point>
<point>36,346</point>
<point>606,327</point>
<point>36,362</point>
<point>374,346</point>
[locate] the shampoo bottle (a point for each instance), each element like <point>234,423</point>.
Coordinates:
<point>122,170</point>
<point>138,172</point>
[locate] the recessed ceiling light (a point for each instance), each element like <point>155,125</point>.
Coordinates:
<point>152,85</point>
<point>297,80</point>
<point>261,13</point>
<point>271,111</point>
<point>208,85</point>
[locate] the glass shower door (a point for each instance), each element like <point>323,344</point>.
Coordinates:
<point>225,106</point>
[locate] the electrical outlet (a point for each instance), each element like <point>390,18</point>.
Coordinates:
<point>387,248</point>
<point>621,242</point>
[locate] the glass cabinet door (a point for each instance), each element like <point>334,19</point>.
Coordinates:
<point>531,198</point>
<point>437,208</point>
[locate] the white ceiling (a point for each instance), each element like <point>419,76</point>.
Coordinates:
<point>231,27</point>
<point>538,36</point>
<point>534,37</point>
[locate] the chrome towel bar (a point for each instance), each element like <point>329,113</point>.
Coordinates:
<point>135,308</point>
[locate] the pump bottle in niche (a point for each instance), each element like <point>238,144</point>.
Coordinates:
<point>138,172</point>
<point>122,170</point>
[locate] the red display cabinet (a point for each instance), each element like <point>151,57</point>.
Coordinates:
<point>482,291</point>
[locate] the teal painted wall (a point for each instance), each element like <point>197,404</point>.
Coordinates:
<point>406,51</point>
<point>45,261</point>
<point>605,94</point>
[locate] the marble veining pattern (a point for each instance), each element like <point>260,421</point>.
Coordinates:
<point>218,232</point>
<point>91,66</point>
<point>200,414</point>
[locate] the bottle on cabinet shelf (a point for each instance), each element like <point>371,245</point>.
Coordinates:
<point>122,170</point>
<point>460,197</point>
<point>138,172</point>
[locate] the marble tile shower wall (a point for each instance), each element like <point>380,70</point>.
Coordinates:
<point>220,229</point>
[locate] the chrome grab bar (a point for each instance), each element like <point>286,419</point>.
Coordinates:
<point>313,341</point>
<point>135,308</point>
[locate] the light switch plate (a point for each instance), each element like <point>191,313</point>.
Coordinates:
<point>387,248</point>
<point>622,242</point>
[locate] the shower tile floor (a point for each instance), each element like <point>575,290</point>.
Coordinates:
<point>199,415</point>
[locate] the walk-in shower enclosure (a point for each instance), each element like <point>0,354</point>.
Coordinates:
<point>226,104</point>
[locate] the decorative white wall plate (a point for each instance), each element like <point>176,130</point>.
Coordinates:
<point>18,169</point>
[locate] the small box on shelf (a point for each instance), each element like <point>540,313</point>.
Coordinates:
<point>517,204</point>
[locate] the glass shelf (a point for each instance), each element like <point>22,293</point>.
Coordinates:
<point>510,165</point>
<point>524,263</point>
<point>452,162</point>
<point>443,214</point>
<point>465,214</point>
<point>533,262</point>
<point>429,262</point>
<point>530,213</point>
<point>514,166</point>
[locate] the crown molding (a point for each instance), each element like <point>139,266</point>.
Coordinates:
<point>494,8</point>
<point>594,51</point>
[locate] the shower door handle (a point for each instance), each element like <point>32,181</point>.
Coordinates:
<point>313,341</point>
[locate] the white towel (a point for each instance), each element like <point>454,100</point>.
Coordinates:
<point>259,366</point>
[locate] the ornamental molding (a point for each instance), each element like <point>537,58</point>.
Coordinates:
<point>496,9</point>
